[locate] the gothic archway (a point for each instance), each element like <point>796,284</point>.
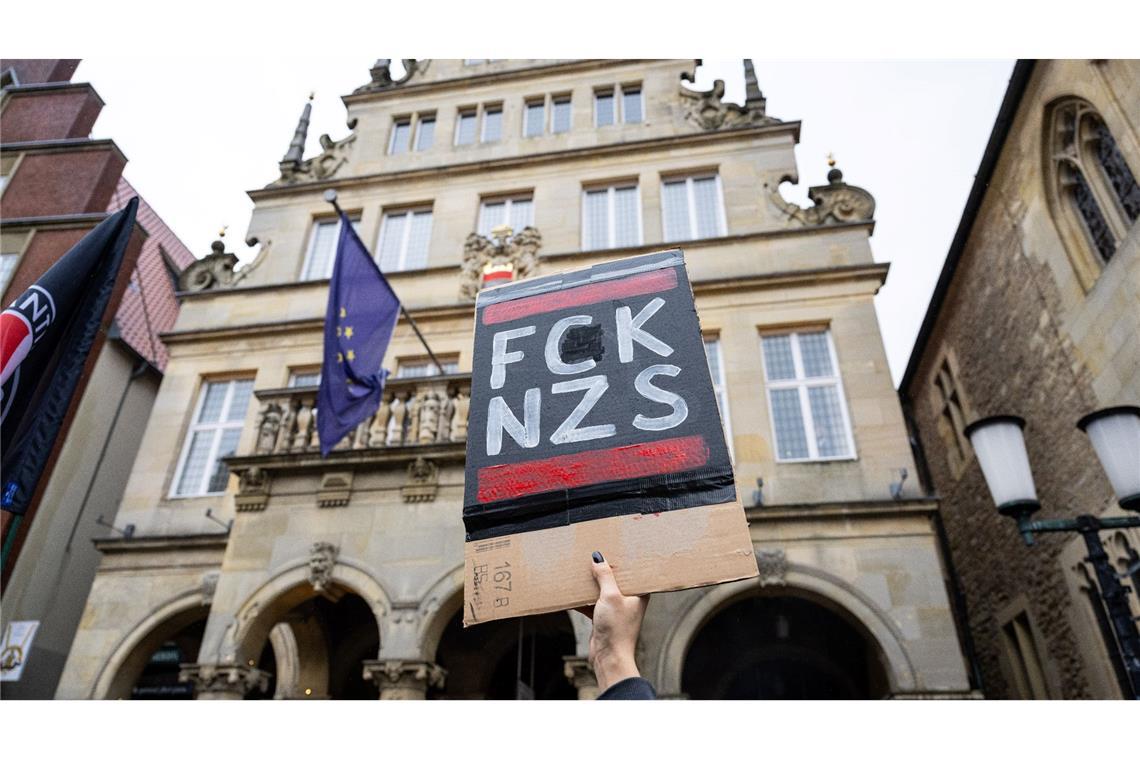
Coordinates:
<point>781,647</point>
<point>489,660</point>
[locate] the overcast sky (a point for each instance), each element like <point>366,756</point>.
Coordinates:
<point>199,132</point>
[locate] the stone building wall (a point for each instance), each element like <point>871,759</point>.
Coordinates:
<point>1024,336</point>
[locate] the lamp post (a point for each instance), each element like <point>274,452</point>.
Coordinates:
<point>999,443</point>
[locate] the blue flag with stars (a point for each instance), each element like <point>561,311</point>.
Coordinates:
<point>361,316</point>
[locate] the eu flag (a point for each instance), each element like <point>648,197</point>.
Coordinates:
<point>361,315</point>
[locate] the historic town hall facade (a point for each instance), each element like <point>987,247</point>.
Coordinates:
<point>257,569</point>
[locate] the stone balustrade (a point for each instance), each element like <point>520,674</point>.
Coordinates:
<point>414,411</point>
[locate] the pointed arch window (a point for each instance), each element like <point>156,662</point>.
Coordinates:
<point>1093,190</point>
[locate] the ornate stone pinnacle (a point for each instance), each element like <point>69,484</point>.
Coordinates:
<point>296,150</point>
<point>752,94</point>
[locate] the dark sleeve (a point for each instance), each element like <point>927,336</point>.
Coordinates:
<point>630,688</point>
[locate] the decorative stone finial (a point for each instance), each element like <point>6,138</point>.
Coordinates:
<point>753,98</point>
<point>834,176</point>
<point>296,151</point>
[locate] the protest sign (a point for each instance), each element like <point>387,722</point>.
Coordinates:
<point>594,427</point>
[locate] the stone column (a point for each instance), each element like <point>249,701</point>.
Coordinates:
<point>223,681</point>
<point>404,679</point>
<point>579,673</point>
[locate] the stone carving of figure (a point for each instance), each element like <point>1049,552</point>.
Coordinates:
<point>379,430</point>
<point>446,411</point>
<point>459,419</point>
<point>429,418</point>
<point>396,422</point>
<point>285,435</point>
<point>270,424</point>
<point>322,559</point>
<point>304,420</point>
<point>253,480</point>
<point>415,403</point>
<point>314,432</point>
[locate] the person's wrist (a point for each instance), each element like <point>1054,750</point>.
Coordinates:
<point>611,667</point>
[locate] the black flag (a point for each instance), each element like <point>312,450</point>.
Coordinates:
<point>46,334</point>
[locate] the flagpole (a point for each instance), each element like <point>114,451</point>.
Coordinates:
<point>330,196</point>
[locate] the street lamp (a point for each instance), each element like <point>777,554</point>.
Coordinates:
<point>999,443</point>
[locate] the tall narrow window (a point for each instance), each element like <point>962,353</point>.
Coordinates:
<point>425,132</point>
<point>322,249</point>
<point>692,208</point>
<point>1024,659</point>
<point>631,104</point>
<point>465,127</point>
<point>401,136</point>
<point>1092,190</point>
<point>404,238</point>
<point>603,108</point>
<point>611,217</point>
<point>716,372</point>
<point>214,434</point>
<point>1116,170</point>
<point>560,119</point>
<point>492,124</point>
<point>805,395</point>
<point>534,122</point>
<point>951,418</point>
<point>516,211</point>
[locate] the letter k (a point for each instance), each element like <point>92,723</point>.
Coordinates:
<point>629,330</point>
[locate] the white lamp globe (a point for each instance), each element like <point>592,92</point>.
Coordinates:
<point>1115,436</point>
<point>999,444</point>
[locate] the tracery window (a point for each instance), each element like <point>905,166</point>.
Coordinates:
<point>1093,190</point>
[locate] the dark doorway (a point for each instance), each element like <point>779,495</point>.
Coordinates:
<point>781,648</point>
<point>159,678</point>
<point>483,661</point>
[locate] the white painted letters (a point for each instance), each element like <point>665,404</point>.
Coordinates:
<point>568,431</point>
<point>553,359</point>
<point>501,357</point>
<point>629,330</point>
<point>500,418</point>
<point>661,396</point>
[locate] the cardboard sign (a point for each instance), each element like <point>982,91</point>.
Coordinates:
<point>594,427</point>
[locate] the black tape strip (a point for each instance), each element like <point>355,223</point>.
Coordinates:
<point>658,493</point>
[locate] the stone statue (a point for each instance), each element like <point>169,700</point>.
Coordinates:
<point>429,418</point>
<point>446,412</point>
<point>379,430</point>
<point>396,422</point>
<point>415,403</point>
<point>459,419</point>
<point>304,420</point>
<point>267,432</point>
<point>285,435</point>
<point>314,432</point>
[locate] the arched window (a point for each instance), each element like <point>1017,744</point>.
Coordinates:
<point>1092,189</point>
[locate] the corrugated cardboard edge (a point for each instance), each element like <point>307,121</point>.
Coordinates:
<point>549,570</point>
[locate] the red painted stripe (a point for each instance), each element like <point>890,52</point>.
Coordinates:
<point>505,481</point>
<point>649,282</point>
